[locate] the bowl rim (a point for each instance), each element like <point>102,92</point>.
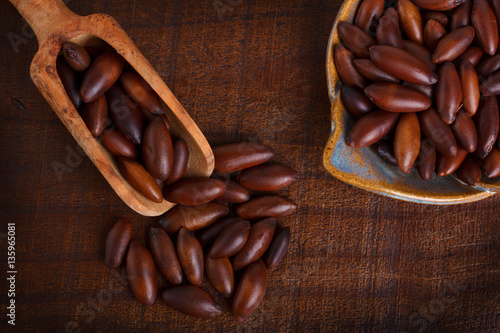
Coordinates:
<point>346,13</point>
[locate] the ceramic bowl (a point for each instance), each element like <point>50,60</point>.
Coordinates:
<point>365,169</point>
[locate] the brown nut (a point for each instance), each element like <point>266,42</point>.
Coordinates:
<point>385,149</point>
<point>141,92</point>
<point>469,171</point>
<point>487,122</point>
<point>118,145</point>
<point>427,90</point>
<point>135,174</point>
<point>165,256</point>
<point>260,237</point>
<point>190,256</point>
<point>438,132</point>
<point>356,102</point>
<point>234,193</point>
<point>267,177</point>
<point>448,93</point>
<point>238,156</point>
<point>368,14</point>
<point>453,45</point>
<point>388,33</point>
<point>410,20</point>
<point>436,16</point>
<point>355,39</point>
<point>484,21</point>
<point>433,32</point>
<point>192,301</point>
<point>491,86</point>
<point>392,13</point>
<point>397,98</point>
<point>491,164</point>
<point>446,165</point>
<point>250,291</point>
<point>437,4</point>
<point>70,80</point>
<point>230,240</point>
<point>407,141</point>
<point>267,206</point>
<point>345,68</point>
<point>470,87</point>
<point>194,191</point>
<point>193,217</point>
<point>460,15</point>
<point>180,161</point>
<point>426,160</point>
<point>157,150</point>
<point>473,54</point>
<point>371,128</point>
<point>489,65</point>
<point>95,115</point>
<point>402,64</point>
<point>368,69</point>
<point>117,242</point>
<point>278,248</point>
<point>208,235</point>
<point>421,52</point>
<point>465,131</point>
<point>141,273</point>
<point>101,75</point>
<point>76,56</point>
<point>220,274</point>
<point>125,114</point>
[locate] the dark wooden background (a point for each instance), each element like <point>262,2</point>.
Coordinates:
<point>358,262</point>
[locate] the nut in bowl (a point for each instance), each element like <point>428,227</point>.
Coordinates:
<point>392,138</point>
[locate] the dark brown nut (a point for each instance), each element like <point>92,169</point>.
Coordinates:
<point>397,98</point>
<point>208,235</point>
<point>117,242</point>
<point>278,248</point>
<point>267,177</point>
<point>392,13</point>
<point>465,131</point>
<point>460,15</point>
<point>230,240</point>
<point>234,193</point>
<point>220,274</point>
<point>118,145</point>
<point>484,21</point>
<point>436,16</point>
<point>426,160</point>
<point>101,75</point>
<point>125,114</point>
<point>491,164</point>
<point>95,115</point>
<point>194,191</point>
<point>192,217</point>
<point>356,102</point>
<point>410,20</point>
<point>386,150</point>
<point>165,256</point>
<point>76,56</point>
<point>473,54</point>
<point>368,14</point>
<point>192,301</point>
<point>93,51</point>
<point>438,132</point>
<point>250,291</point>
<point>495,6</point>
<point>190,255</point>
<point>470,87</point>
<point>70,80</point>
<point>238,156</point>
<point>141,273</point>
<point>267,206</point>
<point>371,128</point>
<point>487,122</point>
<point>157,150</point>
<point>427,90</point>
<point>407,141</point>
<point>345,68</point>
<point>446,165</point>
<point>448,93</point>
<point>355,39</point>
<point>437,4</point>
<point>141,92</point>
<point>402,64</point>
<point>469,171</point>
<point>453,45</point>
<point>368,69</point>
<point>260,237</point>
<point>135,174</point>
<point>489,65</point>
<point>388,33</point>
<point>491,86</point>
<point>421,52</point>
<point>433,32</point>
<point>180,161</point>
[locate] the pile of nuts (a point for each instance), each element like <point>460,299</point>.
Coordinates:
<point>421,79</point>
<point>219,209</point>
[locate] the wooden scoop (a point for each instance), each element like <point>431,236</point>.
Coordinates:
<point>54,24</point>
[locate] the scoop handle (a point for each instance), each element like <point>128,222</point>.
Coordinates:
<point>44,16</point>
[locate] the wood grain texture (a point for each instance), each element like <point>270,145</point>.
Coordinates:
<point>358,262</point>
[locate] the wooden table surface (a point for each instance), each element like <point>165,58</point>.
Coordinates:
<point>245,70</point>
